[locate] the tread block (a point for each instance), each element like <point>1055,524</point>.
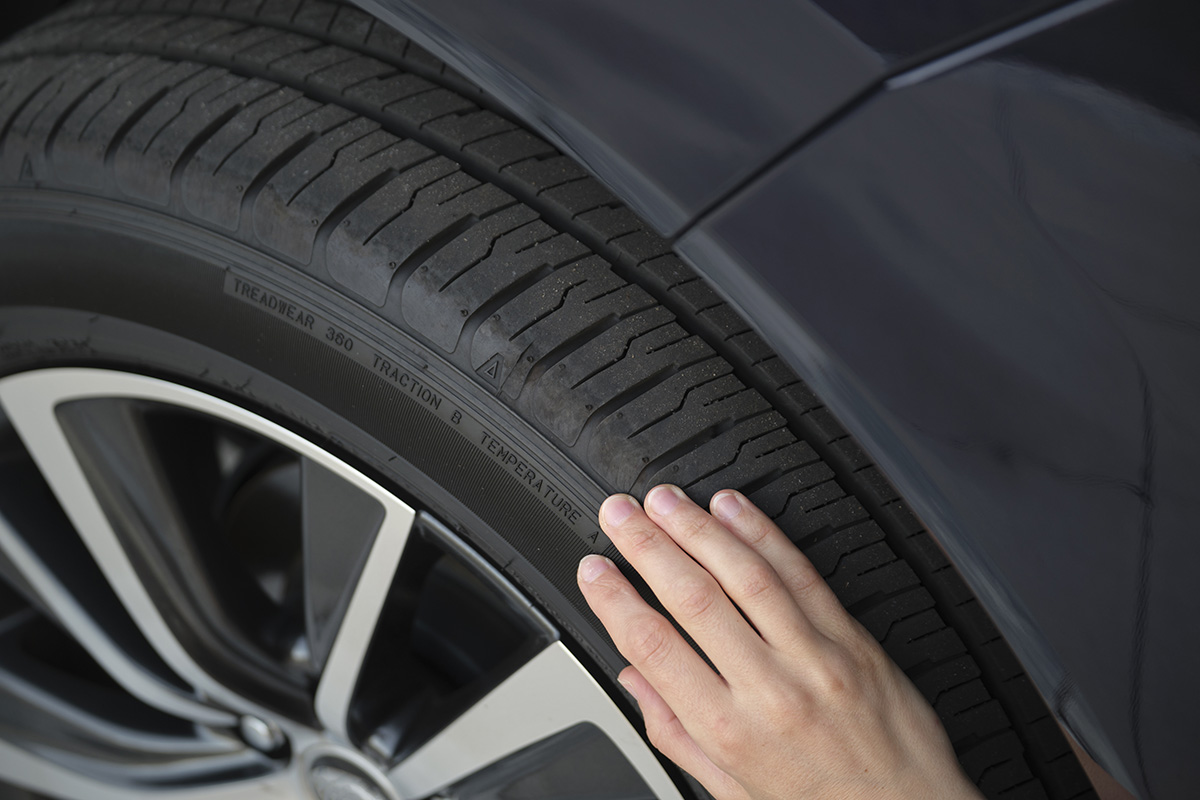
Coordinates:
<point>610,223</point>
<point>725,322</point>
<point>408,218</point>
<point>698,296</point>
<point>140,163</point>
<point>36,117</point>
<point>200,175</point>
<point>309,63</point>
<point>642,245</point>
<point>86,135</point>
<point>236,41</point>
<point>949,673</point>
<point>659,426</point>
<point>488,259</point>
<point>853,588</point>
<point>423,107</point>
<point>539,174</point>
<point>572,303</point>
<point>188,116</point>
<point>377,92</point>
<point>800,523</point>
<point>636,352</point>
<point>339,78</point>
<point>774,497</point>
<point>818,496</point>
<point>667,271</point>
<point>882,617</point>
<point>275,139</point>
<point>352,24</point>
<point>579,196</point>
<point>322,178</point>
<point>984,754</point>
<point>31,84</point>
<point>984,715</point>
<point>760,453</point>
<point>456,131</point>
<point>315,17</point>
<point>750,452</point>
<point>511,147</point>
<point>822,426</point>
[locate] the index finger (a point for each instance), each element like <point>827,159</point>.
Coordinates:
<point>685,588</point>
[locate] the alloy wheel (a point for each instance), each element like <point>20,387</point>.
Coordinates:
<point>197,602</point>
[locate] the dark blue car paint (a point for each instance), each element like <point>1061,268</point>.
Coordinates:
<point>992,276</point>
<point>988,265</point>
<point>673,104</point>
<point>904,31</point>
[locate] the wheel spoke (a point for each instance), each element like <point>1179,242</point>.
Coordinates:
<point>53,705</point>
<point>439,691</point>
<point>360,619</point>
<point>38,774</point>
<point>30,401</point>
<point>42,704</point>
<point>117,646</point>
<point>550,693</point>
<point>340,523</point>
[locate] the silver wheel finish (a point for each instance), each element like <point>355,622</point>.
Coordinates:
<point>548,694</point>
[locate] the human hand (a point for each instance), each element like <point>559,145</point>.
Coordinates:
<point>806,704</point>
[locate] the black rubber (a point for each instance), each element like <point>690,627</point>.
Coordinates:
<point>314,134</point>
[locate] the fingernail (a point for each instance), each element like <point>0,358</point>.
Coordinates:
<point>628,687</point>
<point>592,567</point>
<point>727,506</point>
<point>663,499</point>
<point>617,509</point>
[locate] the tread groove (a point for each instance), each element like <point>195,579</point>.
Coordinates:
<point>672,455</point>
<point>123,129</point>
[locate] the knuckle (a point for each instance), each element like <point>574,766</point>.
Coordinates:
<point>836,679</point>
<point>696,599</point>
<point>663,734</point>
<point>757,579</point>
<point>863,648</point>
<point>726,742</point>
<point>657,736</point>
<point>872,656</point>
<point>804,579</point>
<point>693,528</point>
<point>755,533</point>
<point>648,642</point>
<point>611,586</point>
<point>640,538</point>
<point>786,705</point>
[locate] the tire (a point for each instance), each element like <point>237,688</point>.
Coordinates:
<point>292,207</point>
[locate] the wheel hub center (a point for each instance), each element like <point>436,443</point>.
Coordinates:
<point>334,779</point>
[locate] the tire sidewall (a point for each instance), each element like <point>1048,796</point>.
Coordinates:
<point>96,283</point>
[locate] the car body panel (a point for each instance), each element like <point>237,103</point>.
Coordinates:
<point>907,31</point>
<point>991,275</point>
<point>671,104</point>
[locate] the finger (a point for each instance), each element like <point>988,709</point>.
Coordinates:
<point>649,642</point>
<point>687,591</point>
<point>744,574</point>
<point>812,594</point>
<point>670,736</point>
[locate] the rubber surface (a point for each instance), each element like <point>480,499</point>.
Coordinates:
<point>310,132</point>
